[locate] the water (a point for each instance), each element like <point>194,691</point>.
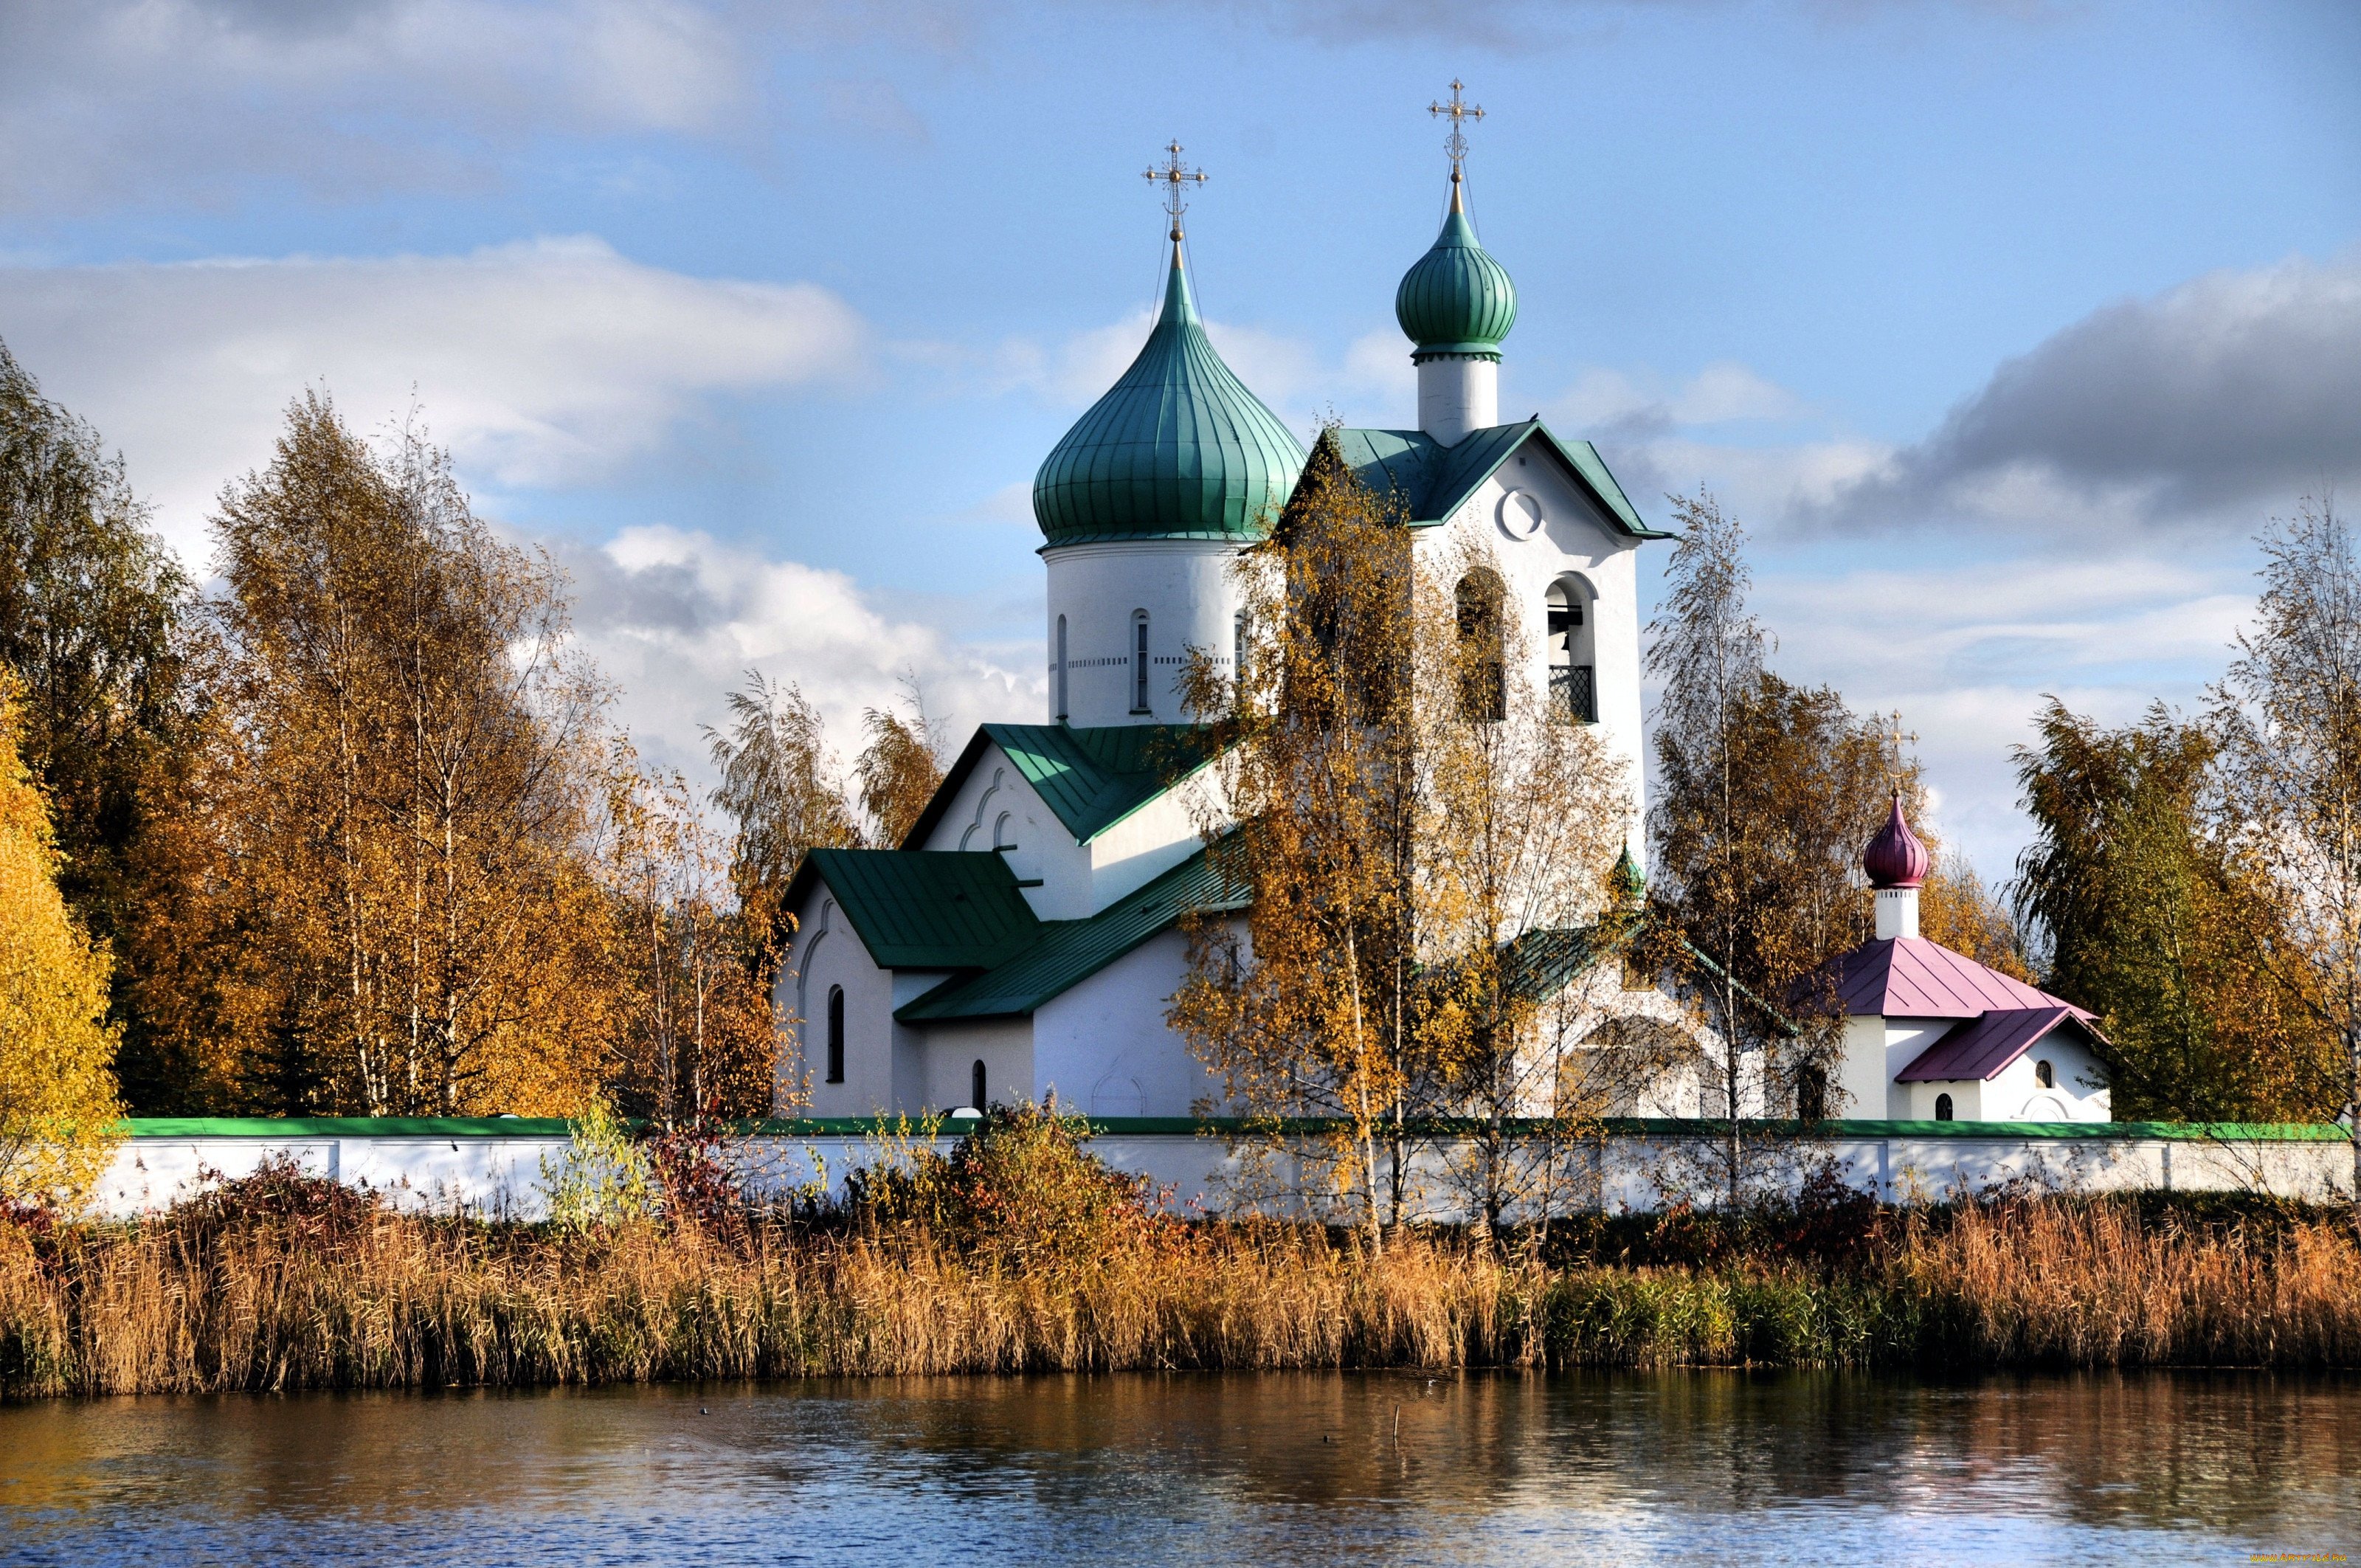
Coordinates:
<point>1198,1468</point>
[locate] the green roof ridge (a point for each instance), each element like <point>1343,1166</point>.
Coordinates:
<point>1435,480</point>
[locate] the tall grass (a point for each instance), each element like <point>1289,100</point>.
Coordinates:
<point>1021,1253</point>
<point>182,1305</point>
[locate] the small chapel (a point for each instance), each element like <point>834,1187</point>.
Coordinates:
<point>1025,938</point>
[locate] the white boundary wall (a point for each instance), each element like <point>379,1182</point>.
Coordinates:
<point>501,1175</point>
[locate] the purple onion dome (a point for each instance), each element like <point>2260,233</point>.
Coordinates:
<point>1896,857</point>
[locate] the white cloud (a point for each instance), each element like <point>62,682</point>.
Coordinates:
<point>550,362</point>
<point>675,619</point>
<point>2223,398</point>
<point>105,102</point>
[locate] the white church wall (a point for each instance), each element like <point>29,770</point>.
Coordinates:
<point>1105,1043</point>
<point>496,1175</point>
<point>1184,587</point>
<point>1573,539</point>
<point>1905,1040</point>
<point>1005,1045</point>
<point>883,1065</point>
<point>1862,1083</point>
<point>2077,1092</point>
<point>1918,1100</point>
<point>1457,393</point>
<point>995,805</point>
<point>1150,841</point>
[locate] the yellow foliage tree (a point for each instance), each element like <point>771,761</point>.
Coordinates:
<point>57,1104</point>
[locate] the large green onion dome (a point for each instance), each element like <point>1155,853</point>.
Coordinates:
<point>1458,299</point>
<point>1176,449</point>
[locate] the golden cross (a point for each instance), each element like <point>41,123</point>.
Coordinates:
<point>1172,176</point>
<point>1459,115</point>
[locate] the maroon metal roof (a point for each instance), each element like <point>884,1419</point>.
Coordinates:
<point>1910,977</point>
<point>1980,1048</point>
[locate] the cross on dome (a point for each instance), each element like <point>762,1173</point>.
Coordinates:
<point>1459,113</point>
<point>1173,175</point>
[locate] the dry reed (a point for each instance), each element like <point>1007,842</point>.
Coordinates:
<point>387,1300</point>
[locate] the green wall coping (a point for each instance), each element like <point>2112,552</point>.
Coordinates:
<point>545,1127</point>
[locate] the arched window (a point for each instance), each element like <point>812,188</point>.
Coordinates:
<point>1062,670</point>
<point>835,1033</point>
<point>1942,1107</point>
<point>1239,626</point>
<point>1139,661</point>
<point>1483,664</point>
<point>2044,1075</point>
<point>1573,672</point>
<point>975,1086</point>
<point>1004,831</point>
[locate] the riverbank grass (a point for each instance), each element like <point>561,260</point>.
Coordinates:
<point>1021,1254</point>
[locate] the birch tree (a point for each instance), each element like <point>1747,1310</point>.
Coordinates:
<point>2287,719</point>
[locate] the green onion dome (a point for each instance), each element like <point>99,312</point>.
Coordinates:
<point>1176,449</point>
<point>1458,299</point>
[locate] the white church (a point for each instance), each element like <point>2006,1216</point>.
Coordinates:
<point>1024,940</point>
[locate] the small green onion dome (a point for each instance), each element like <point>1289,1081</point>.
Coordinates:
<point>1176,449</point>
<point>1458,299</point>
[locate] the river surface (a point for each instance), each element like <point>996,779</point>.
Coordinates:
<point>1720,1467</point>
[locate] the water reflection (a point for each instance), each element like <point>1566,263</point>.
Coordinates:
<point>1263,1468</point>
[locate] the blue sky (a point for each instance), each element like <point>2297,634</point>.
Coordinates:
<point>2001,324</point>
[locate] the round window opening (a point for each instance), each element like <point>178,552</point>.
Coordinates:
<point>1521,515</point>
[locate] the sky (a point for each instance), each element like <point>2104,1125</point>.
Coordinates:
<point>2003,325</point>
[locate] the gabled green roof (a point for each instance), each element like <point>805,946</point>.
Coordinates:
<point>1177,448</point>
<point>925,909</point>
<point>1435,480</point>
<point>1070,951</point>
<point>1091,778</point>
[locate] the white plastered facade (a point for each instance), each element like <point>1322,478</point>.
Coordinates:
<point>1099,593</point>
<point>1540,528</point>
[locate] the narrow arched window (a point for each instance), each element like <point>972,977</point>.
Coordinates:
<point>1942,1107</point>
<point>835,1033</point>
<point>1062,670</point>
<point>1239,626</point>
<point>1139,661</point>
<point>975,1086</point>
<point>1483,664</point>
<point>2044,1075</point>
<point>1811,1092</point>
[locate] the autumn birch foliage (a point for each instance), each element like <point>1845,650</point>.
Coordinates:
<point>415,768</point>
<point>1518,813</point>
<point>58,1105</point>
<point>2287,718</point>
<point>1304,1013</point>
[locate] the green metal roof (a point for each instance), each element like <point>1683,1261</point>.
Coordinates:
<point>1435,480</point>
<point>1457,298</point>
<point>1070,951</point>
<point>1177,448</point>
<point>925,908</point>
<point>1091,778</point>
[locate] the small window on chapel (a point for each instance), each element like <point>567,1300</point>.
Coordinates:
<point>1942,1107</point>
<point>2044,1076</point>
